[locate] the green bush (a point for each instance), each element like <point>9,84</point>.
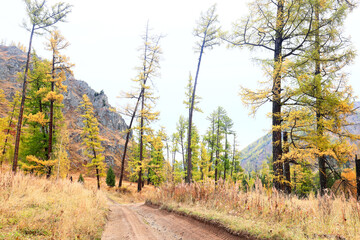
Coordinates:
<point>81,179</point>
<point>110,177</point>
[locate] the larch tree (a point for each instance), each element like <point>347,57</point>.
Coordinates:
<point>219,115</point>
<point>187,102</point>
<point>91,139</point>
<point>322,96</point>
<point>60,66</point>
<point>206,33</point>
<point>281,27</point>
<point>40,18</point>
<point>35,137</point>
<point>228,124</point>
<point>210,137</point>
<point>149,68</point>
<point>9,125</point>
<point>181,131</point>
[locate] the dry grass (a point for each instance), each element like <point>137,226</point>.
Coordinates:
<point>265,213</point>
<point>36,208</point>
<point>128,193</point>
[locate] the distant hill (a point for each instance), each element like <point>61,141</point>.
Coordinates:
<point>253,156</point>
<point>260,151</point>
<point>111,124</point>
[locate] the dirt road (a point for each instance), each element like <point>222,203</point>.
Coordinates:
<point>142,222</point>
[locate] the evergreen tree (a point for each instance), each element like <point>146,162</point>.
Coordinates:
<point>110,177</point>
<point>81,179</point>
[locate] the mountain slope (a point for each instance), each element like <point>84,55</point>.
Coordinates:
<point>260,151</point>
<point>111,124</point>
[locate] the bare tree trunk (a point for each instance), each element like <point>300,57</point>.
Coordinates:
<point>191,110</point>
<point>357,163</point>
<point>319,125</point>
<point>276,103</point>
<point>97,170</point>
<point>127,142</point>
<point>21,112</point>
<point>287,165</point>
<point>140,184</point>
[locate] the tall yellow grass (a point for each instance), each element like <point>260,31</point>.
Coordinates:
<point>35,208</point>
<point>265,213</point>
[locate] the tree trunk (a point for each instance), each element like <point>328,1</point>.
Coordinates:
<point>233,158</point>
<point>212,144</point>
<point>183,152</point>
<point>287,165</point>
<point>98,177</point>
<point>276,102</point>
<point>21,112</point>
<point>97,170</point>
<point>357,163</point>
<point>126,144</point>
<point>217,149</point>
<point>226,154</point>
<point>140,184</point>
<point>189,170</point>
<point>51,116</point>
<point>8,130</point>
<point>317,82</point>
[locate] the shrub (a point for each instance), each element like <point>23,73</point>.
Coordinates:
<point>110,177</point>
<point>81,179</point>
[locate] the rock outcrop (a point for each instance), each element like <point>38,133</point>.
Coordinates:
<point>111,124</point>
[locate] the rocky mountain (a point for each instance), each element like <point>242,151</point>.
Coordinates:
<point>260,151</point>
<point>111,124</point>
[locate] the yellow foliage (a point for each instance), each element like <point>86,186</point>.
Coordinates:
<point>36,165</point>
<point>53,96</point>
<point>38,118</point>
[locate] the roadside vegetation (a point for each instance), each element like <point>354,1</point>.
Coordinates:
<point>38,208</point>
<point>261,212</point>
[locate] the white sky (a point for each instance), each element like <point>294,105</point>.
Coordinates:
<point>105,36</point>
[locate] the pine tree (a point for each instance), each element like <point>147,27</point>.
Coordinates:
<point>110,177</point>
<point>92,140</point>
<point>81,179</point>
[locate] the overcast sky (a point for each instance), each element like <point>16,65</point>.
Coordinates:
<point>105,37</point>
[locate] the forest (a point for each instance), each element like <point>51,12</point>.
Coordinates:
<point>305,186</point>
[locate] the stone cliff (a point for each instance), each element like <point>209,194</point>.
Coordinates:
<point>111,124</point>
